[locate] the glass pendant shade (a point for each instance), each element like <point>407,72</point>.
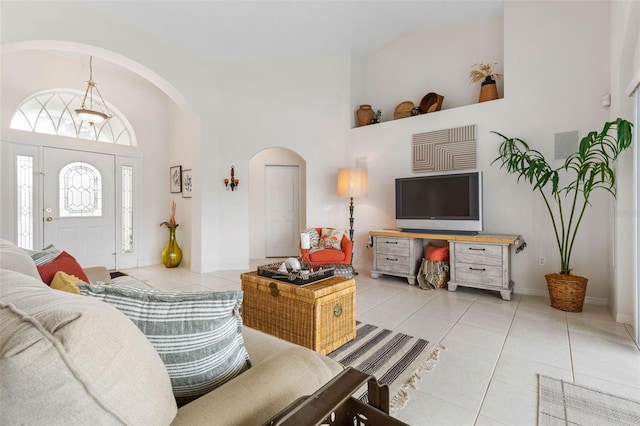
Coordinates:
<point>91,116</point>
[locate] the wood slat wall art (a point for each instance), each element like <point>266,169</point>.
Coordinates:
<point>444,150</point>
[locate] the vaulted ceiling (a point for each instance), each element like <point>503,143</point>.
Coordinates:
<point>239,30</point>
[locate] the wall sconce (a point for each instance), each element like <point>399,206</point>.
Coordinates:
<point>233,182</point>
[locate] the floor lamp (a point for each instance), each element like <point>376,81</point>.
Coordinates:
<point>352,183</point>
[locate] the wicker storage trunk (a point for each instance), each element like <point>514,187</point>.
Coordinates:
<point>320,316</point>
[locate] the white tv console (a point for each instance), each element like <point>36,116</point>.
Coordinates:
<point>479,261</point>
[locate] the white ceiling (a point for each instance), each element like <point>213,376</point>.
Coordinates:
<point>239,30</point>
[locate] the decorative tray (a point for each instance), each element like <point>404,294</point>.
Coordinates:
<point>309,273</point>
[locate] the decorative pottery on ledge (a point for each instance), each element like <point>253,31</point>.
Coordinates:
<point>484,73</point>
<point>488,90</point>
<point>364,115</point>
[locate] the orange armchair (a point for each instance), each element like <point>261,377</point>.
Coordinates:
<point>330,255</point>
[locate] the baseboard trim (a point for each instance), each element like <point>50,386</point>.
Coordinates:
<point>240,267</point>
<point>598,301</point>
<point>531,292</point>
<point>624,319</point>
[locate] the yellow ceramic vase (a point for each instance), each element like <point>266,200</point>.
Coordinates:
<point>172,253</point>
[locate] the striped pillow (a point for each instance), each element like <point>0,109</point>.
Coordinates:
<point>44,256</point>
<point>197,334</point>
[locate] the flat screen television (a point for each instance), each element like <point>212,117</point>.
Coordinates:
<point>440,203</point>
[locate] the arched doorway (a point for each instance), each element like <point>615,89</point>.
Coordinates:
<point>265,168</point>
<point>151,103</point>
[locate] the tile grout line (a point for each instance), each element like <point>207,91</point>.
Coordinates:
<point>573,368</point>
<point>457,322</point>
<point>631,336</point>
<point>484,397</point>
<point>523,304</point>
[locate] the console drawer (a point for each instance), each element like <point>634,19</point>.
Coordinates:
<point>479,254</point>
<point>398,246</point>
<point>397,256</point>
<point>394,268</point>
<point>392,263</point>
<point>479,274</point>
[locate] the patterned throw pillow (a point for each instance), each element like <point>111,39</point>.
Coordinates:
<point>44,256</point>
<point>331,238</point>
<point>197,334</point>
<point>314,237</point>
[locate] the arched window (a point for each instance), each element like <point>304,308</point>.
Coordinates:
<point>80,190</point>
<point>52,112</point>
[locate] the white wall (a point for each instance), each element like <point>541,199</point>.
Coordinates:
<point>433,60</point>
<point>147,108</point>
<point>293,103</point>
<point>181,153</point>
<point>553,83</point>
<point>625,62</point>
<point>75,27</point>
<point>257,201</point>
<point>234,112</point>
<point>554,79</point>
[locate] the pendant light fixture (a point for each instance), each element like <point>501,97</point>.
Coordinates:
<point>90,110</point>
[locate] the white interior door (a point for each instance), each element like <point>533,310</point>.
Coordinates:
<point>282,210</point>
<point>79,205</point>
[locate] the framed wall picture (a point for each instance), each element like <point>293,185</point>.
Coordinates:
<point>187,183</point>
<point>175,179</point>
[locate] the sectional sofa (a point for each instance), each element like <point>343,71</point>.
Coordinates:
<point>75,360</point>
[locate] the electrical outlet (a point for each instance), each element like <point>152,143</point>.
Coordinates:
<point>541,261</point>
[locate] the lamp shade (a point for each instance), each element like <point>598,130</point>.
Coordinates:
<point>352,182</point>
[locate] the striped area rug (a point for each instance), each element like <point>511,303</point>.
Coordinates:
<point>566,403</point>
<point>395,359</point>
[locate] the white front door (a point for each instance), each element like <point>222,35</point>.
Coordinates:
<point>282,206</point>
<point>79,205</point>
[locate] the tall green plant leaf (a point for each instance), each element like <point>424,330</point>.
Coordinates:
<point>587,170</point>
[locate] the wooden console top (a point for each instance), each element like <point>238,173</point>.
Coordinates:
<point>480,238</point>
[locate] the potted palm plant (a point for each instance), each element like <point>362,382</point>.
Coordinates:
<point>588,169</point>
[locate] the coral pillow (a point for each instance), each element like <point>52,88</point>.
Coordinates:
<point>65,263</point>
<point>331,238</point>
<point>437,254</point>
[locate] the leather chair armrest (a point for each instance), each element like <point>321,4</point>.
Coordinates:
<point>98,274</point>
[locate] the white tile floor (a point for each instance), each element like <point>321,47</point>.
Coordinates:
<point>495,349</point>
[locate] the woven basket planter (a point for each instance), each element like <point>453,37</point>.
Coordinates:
<point>566,291</point>
<point>488,92</point>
